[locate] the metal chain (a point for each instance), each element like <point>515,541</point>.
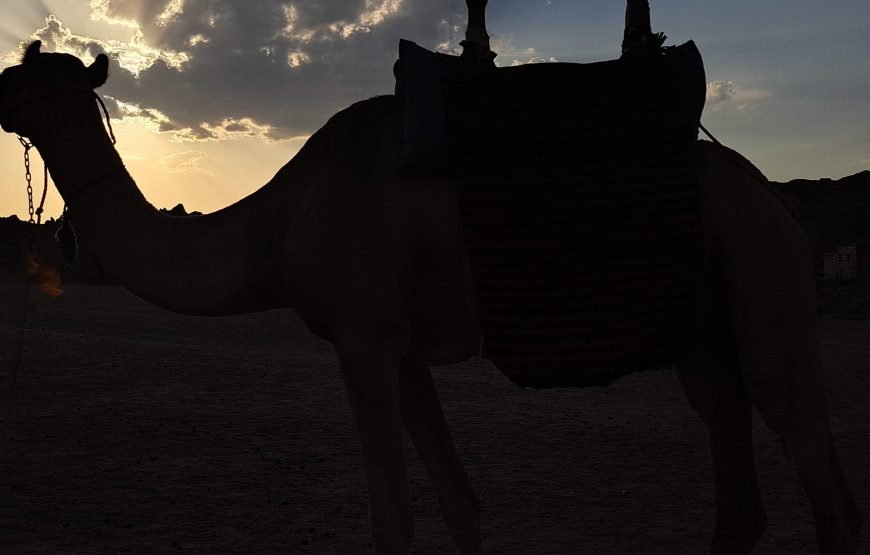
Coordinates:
<point>28,177</point>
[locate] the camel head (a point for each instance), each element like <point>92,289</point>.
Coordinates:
<point>30,90</point>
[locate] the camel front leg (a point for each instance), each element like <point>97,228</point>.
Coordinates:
<point>370,368</point>
<point>424,420</point>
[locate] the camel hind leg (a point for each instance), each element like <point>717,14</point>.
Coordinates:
<point>769,284</point>
<point>425,422</point>
<point>370,367</point>
<point>785,384</point>
<point>714,388</point>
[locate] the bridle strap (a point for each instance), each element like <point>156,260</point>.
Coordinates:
<point>74,197</point>
<point>28,145</point>
<point>108,119</point>
<point>55,94</point>
<point>40,97</point>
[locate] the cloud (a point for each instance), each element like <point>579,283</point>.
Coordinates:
<point>273,69</point>
<point>510,55</point>
<point>134,56</point>
<point>720,91</point>
<point>297,58</point>
<point>124,12</point>
<point>230,128</point>
<point>727,94</point>
<point>150,118</point>
<point>534,60</point>
<point>170,13</point>
<point>188,161</point>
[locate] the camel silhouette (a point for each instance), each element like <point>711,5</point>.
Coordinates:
<point>374,261</point>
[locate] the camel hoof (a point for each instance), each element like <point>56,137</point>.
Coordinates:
<point>737,538</point>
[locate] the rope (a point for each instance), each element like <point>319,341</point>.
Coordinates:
<point>710,135</point>
<point>757,175</point>
<point>40,210</point>
<point>72,198</point>
<point>32,263</point>
<point>108,119</point>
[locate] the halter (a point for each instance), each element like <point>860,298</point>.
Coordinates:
<point>29,145</point>
<point>65,235</point>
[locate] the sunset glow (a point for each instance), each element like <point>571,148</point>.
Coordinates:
<point>210,99</point>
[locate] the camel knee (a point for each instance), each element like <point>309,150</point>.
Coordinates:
<point>792,407</point>
<point>717,395</point>
<point>796,410</point>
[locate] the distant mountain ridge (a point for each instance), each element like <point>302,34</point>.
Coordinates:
<point>835,212</point>
<point>16,234</point>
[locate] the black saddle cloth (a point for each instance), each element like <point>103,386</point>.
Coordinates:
<point>578,192</point>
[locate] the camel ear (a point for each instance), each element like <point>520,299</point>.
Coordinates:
<point>32,53</point>
<point>98,71</point>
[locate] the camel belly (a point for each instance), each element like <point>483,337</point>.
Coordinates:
<point>443,304</point>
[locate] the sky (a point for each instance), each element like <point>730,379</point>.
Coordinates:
<point>209,98</point>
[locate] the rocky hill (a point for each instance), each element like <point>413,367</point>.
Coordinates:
<point>835,212</point>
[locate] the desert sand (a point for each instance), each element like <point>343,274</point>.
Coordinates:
<point>128,429</point>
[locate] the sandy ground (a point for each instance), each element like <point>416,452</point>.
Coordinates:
<point>127,429</point>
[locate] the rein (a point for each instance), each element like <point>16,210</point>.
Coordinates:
<point>47,278</point>
<point>712,138</point>
<point>108,119</point>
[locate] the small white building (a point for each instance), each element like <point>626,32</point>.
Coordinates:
<point>841,263</point>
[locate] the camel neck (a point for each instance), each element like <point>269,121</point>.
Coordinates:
<point>209,265</point>
<point>76,147</point>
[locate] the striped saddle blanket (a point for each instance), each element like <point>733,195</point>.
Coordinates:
<point>578,192</point>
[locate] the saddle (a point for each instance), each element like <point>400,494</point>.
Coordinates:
<point>578,194</point>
